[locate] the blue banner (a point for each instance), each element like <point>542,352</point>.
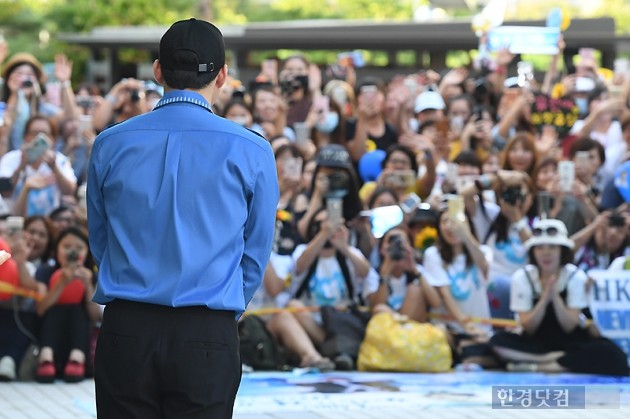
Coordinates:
<point>524,39</point>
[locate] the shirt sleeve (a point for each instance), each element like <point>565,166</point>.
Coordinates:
<point>65,166</point>
<point>260,224</point>
<point>8,164</point>
<point>521,297</point>
<point>434,267</point>
<point>96,215</point>
<point>577,298</point>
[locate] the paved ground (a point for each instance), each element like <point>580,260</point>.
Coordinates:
<point>61,401</point>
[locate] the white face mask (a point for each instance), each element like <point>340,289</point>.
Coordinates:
<point>329,124</point>
<point>414,124</point>
<point>241,120</point>
<point>457,123</point>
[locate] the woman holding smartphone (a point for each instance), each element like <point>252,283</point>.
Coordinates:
<point>39,174</point>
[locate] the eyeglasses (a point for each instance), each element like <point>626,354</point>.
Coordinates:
<point>549,231</point>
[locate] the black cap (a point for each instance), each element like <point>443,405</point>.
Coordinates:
<point>334,155</point>
<point>192,45</point>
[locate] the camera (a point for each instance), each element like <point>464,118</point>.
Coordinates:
<point>27,83</point>
<point>134,96</point>
<point>616,220</point>
<point>512,195</point>
<point>72,256</point>
<point>85,102</point>
<point>395,248</point>
<point>291,84</point>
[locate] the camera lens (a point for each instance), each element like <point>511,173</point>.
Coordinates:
<point>27,83</point>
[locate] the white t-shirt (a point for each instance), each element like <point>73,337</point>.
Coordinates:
<point>327,286</point>
<point>571,278</point>
<point>467,284</point>
<point>507,257</point>
<point>40,201</point>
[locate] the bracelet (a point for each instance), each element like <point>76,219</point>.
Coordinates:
<point>382,281</point>
<point>65,84</point>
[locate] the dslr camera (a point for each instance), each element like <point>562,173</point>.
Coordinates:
<point>512,195</point>
<point>72,256</point>
<point>395,248</point>
<point>291,84</point>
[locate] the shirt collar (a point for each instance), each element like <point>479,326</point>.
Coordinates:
<point>186,96</point>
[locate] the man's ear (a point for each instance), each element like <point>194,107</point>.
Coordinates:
<point>222,76</point>
<point>157,72</point>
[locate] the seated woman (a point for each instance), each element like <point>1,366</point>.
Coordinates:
<point>458,266</point>
<point>401,285</point>
<point>67,310</point>
<point>548,296</point>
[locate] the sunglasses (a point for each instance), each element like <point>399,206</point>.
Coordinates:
<point>549,231</point>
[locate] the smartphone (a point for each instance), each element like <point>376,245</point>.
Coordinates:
<point>410,203</point>
<point>334,208</point>
<point>269,68</point>
<point>84,124</point>
<point>302,132</point>
<point>369,91</point>
<point>15,224</point>
<point>292,168</point>
<point>37,147</point>
<point>400,179</point>
<point>82,195</point>
<point>451,172</point>
<point>322,104</point>
<point>456,208</point>
<point>566,171</point>
<point>581,159</point>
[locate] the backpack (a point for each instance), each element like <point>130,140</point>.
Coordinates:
<point>257,347</point>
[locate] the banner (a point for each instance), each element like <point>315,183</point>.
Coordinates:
<point>524,39</point>
<point>610,305</point>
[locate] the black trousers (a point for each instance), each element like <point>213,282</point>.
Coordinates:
<point>163,362</point>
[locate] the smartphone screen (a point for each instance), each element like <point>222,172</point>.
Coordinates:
<point>410,203</point>
<point>566,172</point>
<point>322,104</point>
<point>302,132</point>
<point>456,208</point>
<point>334,207</point>
<point>37,147</point>
<point>15,224</point>
<point>292,168</point>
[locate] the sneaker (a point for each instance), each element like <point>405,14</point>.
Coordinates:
<point>74,372</point>
<point>7,369</point>
<point>45,372</point>
<point>522,366</point>
<point>344,362</point>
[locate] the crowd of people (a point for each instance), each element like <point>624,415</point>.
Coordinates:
<point>494,224</point>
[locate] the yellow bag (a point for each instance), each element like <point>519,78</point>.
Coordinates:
<point>394,343</point>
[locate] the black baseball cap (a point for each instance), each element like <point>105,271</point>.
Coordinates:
<point>193,45</point>
<point>334,155</point>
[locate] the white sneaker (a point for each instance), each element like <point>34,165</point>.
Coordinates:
<point>7,369</point>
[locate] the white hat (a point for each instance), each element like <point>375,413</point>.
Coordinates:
<point>429,100</point>
<point>549,231</point>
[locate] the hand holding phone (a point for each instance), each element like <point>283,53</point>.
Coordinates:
<point>334,208</point>
<point>410,203</point>
<point>37,147</point>
<point>566,173</point>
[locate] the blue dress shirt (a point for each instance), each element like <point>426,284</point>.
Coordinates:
<point>181,207</point>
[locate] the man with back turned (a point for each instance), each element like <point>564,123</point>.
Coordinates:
<point>181,213</point>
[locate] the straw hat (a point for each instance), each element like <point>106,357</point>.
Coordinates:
<point>23,58</point>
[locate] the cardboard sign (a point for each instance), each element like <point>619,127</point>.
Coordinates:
<point>610,305</point>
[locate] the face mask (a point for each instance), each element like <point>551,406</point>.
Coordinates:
<point>457,123</point>
<point>329,124</point>
<point>582,104</point>
<point>414,124</point>
<point>241,120</point>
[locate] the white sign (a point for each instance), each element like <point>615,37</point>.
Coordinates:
<point>524,39</point>
<point>610,305</point>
